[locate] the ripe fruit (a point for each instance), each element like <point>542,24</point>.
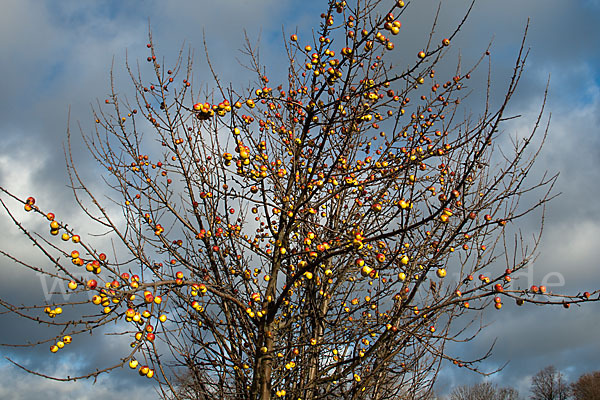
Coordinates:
<point>92,284</point>
<point>421,54</point>
<point>294,38</point>
<point>441,272</point>
<point>366,271</point>
<point>520,302</point>
<point>133,363</point>
<point>534,289</point>
<point>54,348</point>
<point>446,42</point>
<point>72,285</point>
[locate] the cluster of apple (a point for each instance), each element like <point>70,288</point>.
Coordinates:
<point>392,25</point>
<point>541,289</point>
<point>143,370</point>
<point>54,226</point>
<point>206,111</point>
<point>93,266</point>
<point>53,312</point>
<point>29,204</point>
<point>60,344</point>
<point>55,230</point>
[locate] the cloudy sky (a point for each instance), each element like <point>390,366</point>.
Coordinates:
<point>57,55</point>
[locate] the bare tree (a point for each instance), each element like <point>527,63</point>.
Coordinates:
<point>484,391</point>
<point>549,384</point>
<point>294,240</point>
<point>587,387</point>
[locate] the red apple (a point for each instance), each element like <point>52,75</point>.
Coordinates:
<point>534,289</point>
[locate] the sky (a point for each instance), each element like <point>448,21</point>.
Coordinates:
<point>57,57</point>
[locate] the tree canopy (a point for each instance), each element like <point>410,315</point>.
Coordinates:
<point>323,237</point>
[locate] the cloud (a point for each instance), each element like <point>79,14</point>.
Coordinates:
<point>16,385</point>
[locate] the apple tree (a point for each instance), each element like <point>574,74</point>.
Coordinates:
<point>321,237</point>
